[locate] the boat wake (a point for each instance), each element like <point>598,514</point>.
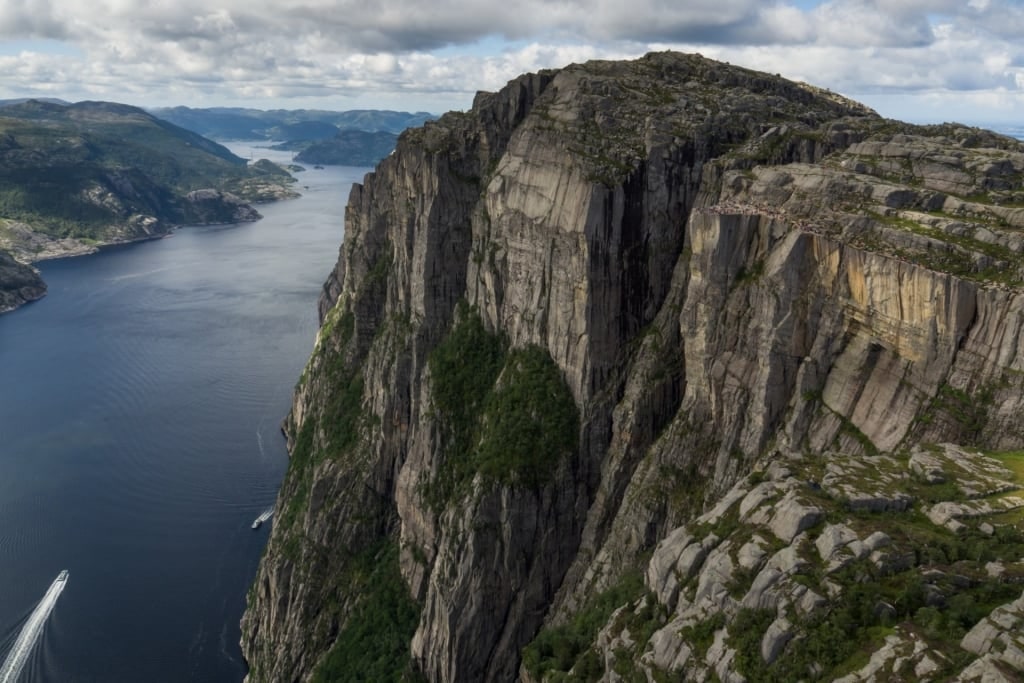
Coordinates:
<point>259,438</point>
<point>130,276</point>
<point>31,631</point>
<point>264,516</point>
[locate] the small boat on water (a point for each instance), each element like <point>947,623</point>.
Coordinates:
<point>264,516</point>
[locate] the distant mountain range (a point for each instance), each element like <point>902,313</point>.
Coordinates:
<point>359,137</point>
<point>22,100</point>
<point>77,176</point>
<point>230,123</point>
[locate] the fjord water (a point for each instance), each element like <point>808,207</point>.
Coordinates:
<point>139,437</point>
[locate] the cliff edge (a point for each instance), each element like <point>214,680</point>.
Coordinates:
<point>590,354</point>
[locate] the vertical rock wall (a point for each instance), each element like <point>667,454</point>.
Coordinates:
<point>601,218</point>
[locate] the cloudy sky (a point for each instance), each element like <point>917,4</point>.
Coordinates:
<point>919,60</point>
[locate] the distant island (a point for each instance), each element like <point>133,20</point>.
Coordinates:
<point>74,177</point>
<point>360,137</point>
<point>347,148</point>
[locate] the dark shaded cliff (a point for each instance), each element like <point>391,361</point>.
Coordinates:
<point>566,323</point>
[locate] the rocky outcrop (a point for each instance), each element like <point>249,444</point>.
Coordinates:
<point>1000,635</point>
<point>565,327</point>
<point>836,585</point>
<point>213,206</point>
<point>19,283</point>
<point>29,246</point>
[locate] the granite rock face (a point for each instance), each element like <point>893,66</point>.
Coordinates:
<point>725,273</point>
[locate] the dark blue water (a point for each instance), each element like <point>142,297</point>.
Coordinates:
<point>139,437</point>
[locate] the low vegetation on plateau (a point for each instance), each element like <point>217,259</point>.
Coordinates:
<point>882,567</point>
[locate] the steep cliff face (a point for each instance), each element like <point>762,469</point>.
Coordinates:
<point>567,321</point>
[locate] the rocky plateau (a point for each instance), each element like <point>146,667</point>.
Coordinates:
<point>661,370</point>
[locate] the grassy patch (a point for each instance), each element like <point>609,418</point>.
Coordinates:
<point>378,273</point>
<point>298,478</point>
<point>463,370</point>
<point>745,634</point>
<point>702,634</point>
<point>530,421</point>
<point>877,601</point>
<point>848,428</point>
<point>342,411</point>
<point>339,421</point>
<point>374,643</point>
<point>833,642</point>
<point>968,413</point>
<point>556,650</point>
<point>745,276</point>
<point>506,415</point>
<point>342,416</point>
<point>1013,461</point>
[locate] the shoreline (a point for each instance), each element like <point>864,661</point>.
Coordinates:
<point>31,248</point>
<point>74,248</point>
<point>89,249</point>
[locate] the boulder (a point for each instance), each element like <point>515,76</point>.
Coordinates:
<point>792,517</point>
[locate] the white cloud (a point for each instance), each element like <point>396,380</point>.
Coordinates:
<point>435,55</point>
<point>857,23</point>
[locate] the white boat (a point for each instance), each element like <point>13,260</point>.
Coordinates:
<point>264,516</point>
